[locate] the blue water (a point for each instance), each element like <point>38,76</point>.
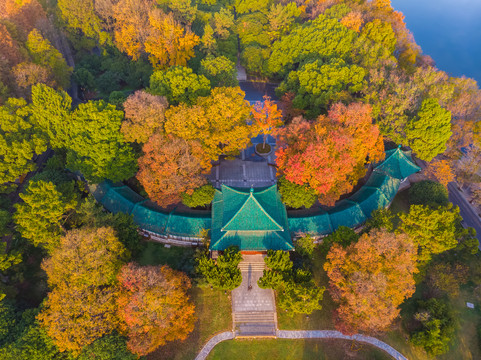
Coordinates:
<point>447,30</point>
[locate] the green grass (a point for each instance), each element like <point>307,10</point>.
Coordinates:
<point>178,258</point>
<point>283,349</point>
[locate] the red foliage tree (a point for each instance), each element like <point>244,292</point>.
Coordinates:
<point>266,116</point>
<point>154,307</point>
<point>330,154</point>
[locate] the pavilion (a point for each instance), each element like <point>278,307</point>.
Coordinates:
<point>254,220</point>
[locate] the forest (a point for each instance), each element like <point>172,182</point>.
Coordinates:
<point>145,93</point>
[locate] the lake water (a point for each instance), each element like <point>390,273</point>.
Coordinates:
<point>447,30</point>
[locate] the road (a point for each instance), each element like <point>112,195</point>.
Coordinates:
<point>469,214</point>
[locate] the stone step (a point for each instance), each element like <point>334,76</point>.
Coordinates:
<point>256,266</point>
<point>256,330</point>
<point>254,317</point>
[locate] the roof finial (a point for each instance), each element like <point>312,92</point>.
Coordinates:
<point>252,189</point>
<point>399,146</point>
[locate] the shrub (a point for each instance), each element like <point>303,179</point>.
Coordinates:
<point>428,193</point>
<point>200,197</point>
<point>296,196</point>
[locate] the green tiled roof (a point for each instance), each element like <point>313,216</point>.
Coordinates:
<point>397,164</point>
<point>252,219</point>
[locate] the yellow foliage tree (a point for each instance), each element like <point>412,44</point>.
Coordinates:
<point>441,171</point>
<point>169,44</point>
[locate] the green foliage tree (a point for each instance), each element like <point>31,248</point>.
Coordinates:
<point>200,197</point>
<point>51,112</point>
<point>179,84</point>
<point>96,147</point>
<point>294,195</point>
<point>438,326</point>
<point>20,141</point>
<point>45,54</point>
<point>219,70</point>
<point>108,347</point>
<point>343,236</point>
<point>305,245</point>
<point>380,219</point>
<point>323,37</point>
<point>428,193</point>
<point>222,273</point>
<point>84,78</point>
<point>319,83</point>
<point>432,230</point>
<point>296,290</point>
<point>41,216</point>
<point>428,132</point>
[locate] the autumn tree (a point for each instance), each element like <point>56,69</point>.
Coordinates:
<point>82,271</point>
<point>96,146</point>
<point>75,316</point>
<point>86,257</point>
<point>329,155</point>
<point>179,84</point>
<point>370,279</point>
<point>171,166</point>
<point>441,171</point>
<point>428,132</point>
<point>432,230</point>
<point>169,44</point>
<point>154,307</point>
<point>28,74</point>
<point>81,16</point>
<point>20,141</point>
<point>144,115</point>
<point>266,117</point>
<point>41,215</point>
<point>446,279</point>
<point>218,121</point>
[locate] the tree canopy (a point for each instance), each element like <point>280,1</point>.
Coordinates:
<point>369,292</point>
<point>154,306</point>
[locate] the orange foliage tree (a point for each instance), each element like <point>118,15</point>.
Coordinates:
<point>266,116</point>
<point>329,154</point>
<point>154,307</point>
<point>171,166</point>
<point>75,316</point>
<point>144,115</point>
<point>441,171</point>
<point>370,279</point>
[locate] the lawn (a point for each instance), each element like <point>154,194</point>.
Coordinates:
<point>212,307</point>
<point>283,349</point>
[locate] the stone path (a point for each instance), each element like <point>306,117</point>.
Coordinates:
<point>242,173</point>
<point>253,308</point>
<point>228,335</point>
<point>306,334</point>
<point>331,334</point>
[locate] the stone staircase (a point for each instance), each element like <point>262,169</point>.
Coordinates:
<point>254,315</point>
<point>255,324</point>
<point>251,266</point>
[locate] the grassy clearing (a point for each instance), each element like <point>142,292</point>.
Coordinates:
<point>283,349</point>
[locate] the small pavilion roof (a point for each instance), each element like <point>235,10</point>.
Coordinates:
<point>397,164</point>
